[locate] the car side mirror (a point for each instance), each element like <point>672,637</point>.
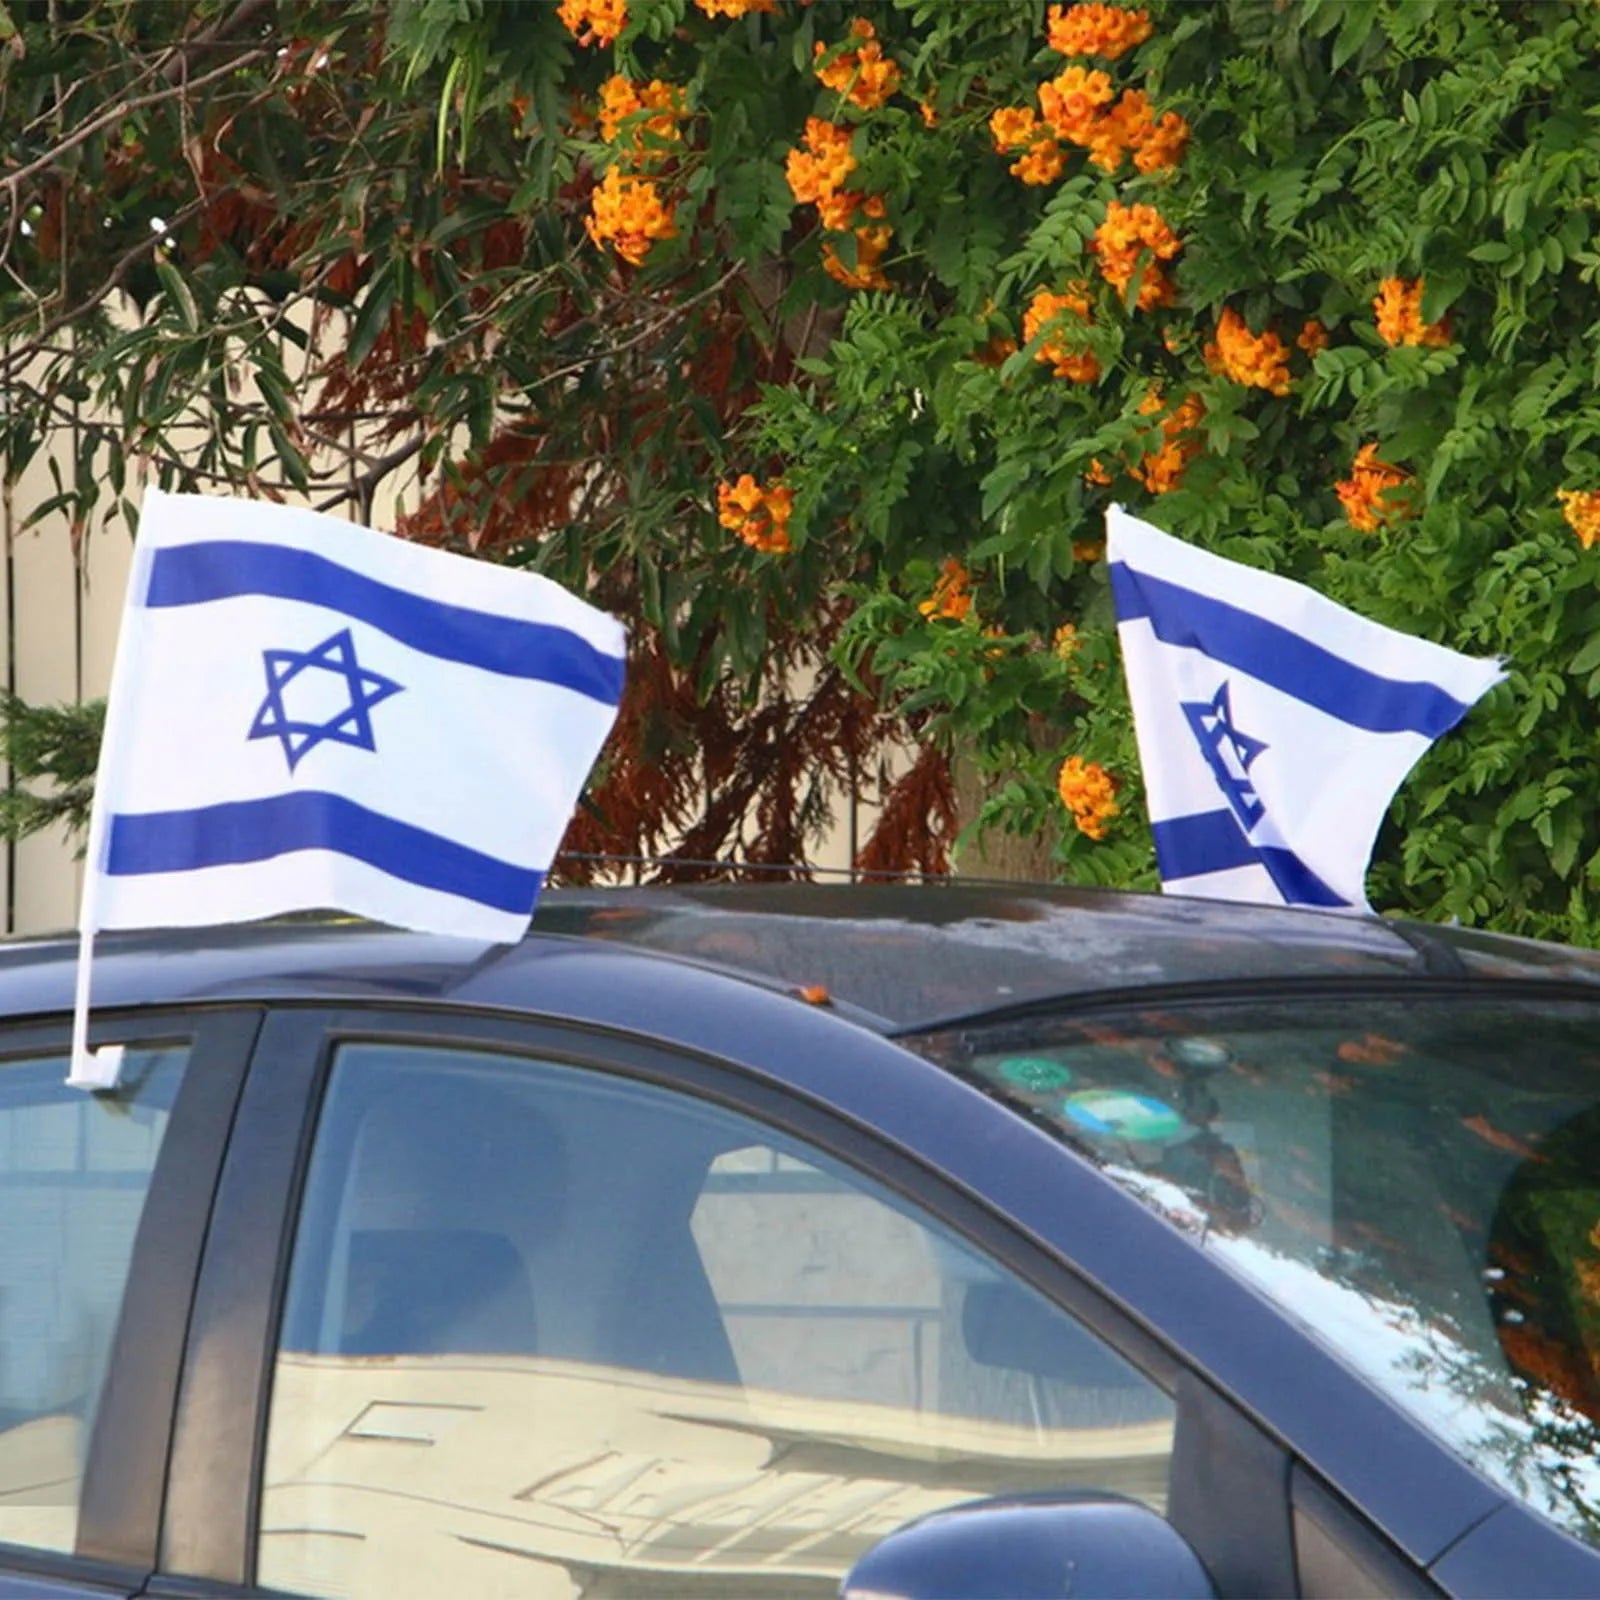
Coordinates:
<point>1032,1548</point>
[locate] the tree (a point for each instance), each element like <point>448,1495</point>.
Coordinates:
<point>816,339</point>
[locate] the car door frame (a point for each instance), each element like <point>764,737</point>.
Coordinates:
<point>214,1483</point>
<point>120,1500</point>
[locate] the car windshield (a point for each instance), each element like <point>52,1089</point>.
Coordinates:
<point>1416,1180</point>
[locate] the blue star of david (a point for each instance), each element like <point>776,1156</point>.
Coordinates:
<point>350,725</point>
<point>1229,752</point>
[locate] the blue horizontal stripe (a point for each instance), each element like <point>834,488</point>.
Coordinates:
<point>219,569</point>
<point>261,830</point>
<point>1282,658</point>
<point>1213,841</point>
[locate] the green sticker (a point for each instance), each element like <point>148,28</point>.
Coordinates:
<point>1035,1074</point>
<point>1123,1114</point>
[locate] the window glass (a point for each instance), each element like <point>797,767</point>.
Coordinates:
<point>1416,1182</point>
<point>551,1333</point>
<point>74,1171</point>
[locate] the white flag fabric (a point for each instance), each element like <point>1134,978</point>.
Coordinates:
<point>1274,726</point>
<point>307,714</point>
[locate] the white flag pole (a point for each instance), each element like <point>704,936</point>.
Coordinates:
<point>102,1069</point>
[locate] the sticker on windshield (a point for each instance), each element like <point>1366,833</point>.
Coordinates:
<point>1034,1074</point>
<point>1122,1114</point>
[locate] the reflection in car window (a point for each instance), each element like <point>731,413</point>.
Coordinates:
<point>545,1326</point>
<point>74,1172</point>
<point>1417,1182</point>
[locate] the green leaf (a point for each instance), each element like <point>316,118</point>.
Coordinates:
<point>1587,659</point>
<point>178,293</point>
<point>1358,17</point>
<point>372,317</point>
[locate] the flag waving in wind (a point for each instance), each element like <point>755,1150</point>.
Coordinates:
<point>308,714</point>
<point>1274,726</point>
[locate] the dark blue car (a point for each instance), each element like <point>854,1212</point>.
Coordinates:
<point>752,1242</point>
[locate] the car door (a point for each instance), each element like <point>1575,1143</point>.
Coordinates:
<point>529,1309</point>
<point>103,1205</point>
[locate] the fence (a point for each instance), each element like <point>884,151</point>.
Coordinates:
<point>59,609</point>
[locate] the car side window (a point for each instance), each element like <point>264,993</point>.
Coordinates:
<point>74,1173</point>
<point>544,1323</point>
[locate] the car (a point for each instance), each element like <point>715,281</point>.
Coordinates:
<point>799,1240</point>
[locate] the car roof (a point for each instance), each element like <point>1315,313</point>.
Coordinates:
<point>897,957</point>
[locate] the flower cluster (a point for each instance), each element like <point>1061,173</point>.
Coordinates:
<point>735,8</point>
<point>628,212</point>
<point>1088,791</point>
<point>1162,470</point>
<point>1077,110</point>
<point>1368,494</point>
<point>1581,508</point>
<point>1066,644</point>
<point>952,593</point>
<point>650,111</point>
<point>817,176</point>
<point>1120,241</point>
<point>1259,361</point>
<point>864,75</point>
<point>1398,308</point>
<point>1097,30</point>
<point>1018,128</point>
<point>758,514</point>
<point>1076,106</point>
<point>1080,366</point>
<point>593,22</point>
<point>820,169</point>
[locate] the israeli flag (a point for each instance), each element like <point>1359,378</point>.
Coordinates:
<point>1273,725</point>
<point>308,714</point>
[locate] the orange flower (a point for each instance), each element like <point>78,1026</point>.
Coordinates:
<point>628,211</point>
<point>760,516</point>
<point>866,273</point>
<point>1120,241</point>
<point>1071,100</point>
<point>1013,128</point>
<point>825,163</point>
<point>1080,366</point>
<point>1162,470</point>
<point>622,99</point>
<point>1043,162</point>
<point>1581,508</point>
<point>1088,791</point>
<point>1097,30</point>
<point>1312,338</point>
<point>735,8</point>
<point>1368,494</point>
<point>1126,126</point>
<point>593,21</point>
<point>865,76</point>
<point>1398,308</point>
<point>1066,643</point>
<point>838,211</point>
<point>1257,361</point>
<point>952,596</point>
<point>1163,146</point>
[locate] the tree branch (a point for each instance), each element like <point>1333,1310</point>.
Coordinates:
<point>17,356</point>
<point>12,182</point>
